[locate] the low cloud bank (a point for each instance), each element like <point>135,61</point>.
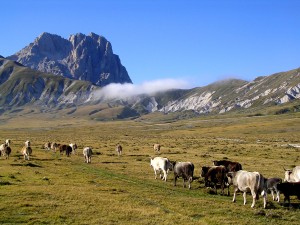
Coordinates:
<point>127,90</point>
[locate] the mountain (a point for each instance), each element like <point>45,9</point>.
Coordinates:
<point>20,85</point>
<point>81,57</point>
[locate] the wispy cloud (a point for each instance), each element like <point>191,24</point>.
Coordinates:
<point>123,91</point>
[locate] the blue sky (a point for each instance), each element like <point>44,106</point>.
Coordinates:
<point>192,40</point>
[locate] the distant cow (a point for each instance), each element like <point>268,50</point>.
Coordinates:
<point>161,164</point>
<point>26,152</point>
<point>47,145</point>
<point>216,175</point>
<point>6,151</point>
<point>229,165</point>
<point>2,147</point>
<point>65,148</point>
<point>248,181</point>
<point>292,175</point>
<point>74,147</point>
<point>289,189</point>
<point>119,149</point>
<point>271,184</point>
<point>54,146</point>
<point>184,170</point>
<point>27,143</point>
<point>156,148</point>
<point>8,142</point>
<point>87,153</point>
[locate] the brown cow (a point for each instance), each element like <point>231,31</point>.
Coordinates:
<point>216,175</point>
<point>229,165</point>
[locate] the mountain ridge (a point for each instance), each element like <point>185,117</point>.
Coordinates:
<point>82,57</point>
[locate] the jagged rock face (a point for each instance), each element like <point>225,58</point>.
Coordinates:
<point>82,57</point>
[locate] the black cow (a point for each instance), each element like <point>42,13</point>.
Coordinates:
<point>289,189</point>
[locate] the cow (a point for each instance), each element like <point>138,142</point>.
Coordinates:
<point>289,189</point>
<point>65,148</point>
<point>161,164</point>
<point>156,148</point>
<point>248,181</point>
<point>184,170</point>
<point>47,145</point>
<point>87,153</point>
<point>6,151</point>
<point>8,142</point>
<point>203,173</point>
<point>229,165</point>
<point>119,149</point>
<point>74,147</point>
<point>2,147</point>
<point>27,143</point>
<point>26,151</point>
<point>292,175</point>
<point>54,146</point>
<point>216,175</point>
<point>271,184</point>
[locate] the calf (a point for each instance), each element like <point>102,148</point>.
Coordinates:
<point>289,189</point>
<point>87,153</point>
<point>161,164</point>
<point>229,165</point>
<point>184,170</point>
<point>271,184</point>
<point>248,181</point>
<point>216,175</point>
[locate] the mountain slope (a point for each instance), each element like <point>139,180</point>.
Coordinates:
<point>20,85</point>
<point>81,57</point>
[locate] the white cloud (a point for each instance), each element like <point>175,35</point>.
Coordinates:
<point>123,91</point>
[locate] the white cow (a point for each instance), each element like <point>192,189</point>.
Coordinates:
<point>8,142</point>
<point>292,175</point>
<point>87,153</point>
<point>27,143</point>
<point>248,181</point>
<point>161,164</point>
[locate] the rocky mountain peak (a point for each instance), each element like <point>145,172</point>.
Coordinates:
<point>82,57</point>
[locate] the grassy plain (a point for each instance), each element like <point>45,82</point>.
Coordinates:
<point>54,189</point>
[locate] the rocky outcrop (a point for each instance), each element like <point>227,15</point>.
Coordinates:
<point>81,57</point>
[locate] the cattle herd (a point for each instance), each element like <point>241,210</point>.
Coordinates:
<point>222,173</point>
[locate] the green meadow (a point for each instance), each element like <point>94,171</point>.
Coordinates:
<point>55,189</point>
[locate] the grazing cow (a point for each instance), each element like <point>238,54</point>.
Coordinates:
<point>289,189</point>
<point>2,147</point>
<point>65,148</point>
<point>87,153</point>
<point>161,164</point>
<point>271,184</point>
<point>26,151</point>
<point>230,166</point>
<point>248,181</point>
<point>74,147</point>
<point>54,146</point>
<point>156,148</point>
<point>292,175</point>
<point>47,145</point>
<point>119,149</point>
<point>216,175</point>
<point>184,170</point>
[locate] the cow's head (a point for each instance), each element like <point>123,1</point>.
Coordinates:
<point>287,175</point>
<point>229,178</point>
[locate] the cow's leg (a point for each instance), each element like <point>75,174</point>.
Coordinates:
<point>175,178</point>
<point>183,182</point>
<point>277,195</point>
<point>272,193</point>
<point>165,175</point>
<point>245,199</point>
<point>265,198</point>
<point>254,198</point>
<point>234,194</point>
<point>155,173</point>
